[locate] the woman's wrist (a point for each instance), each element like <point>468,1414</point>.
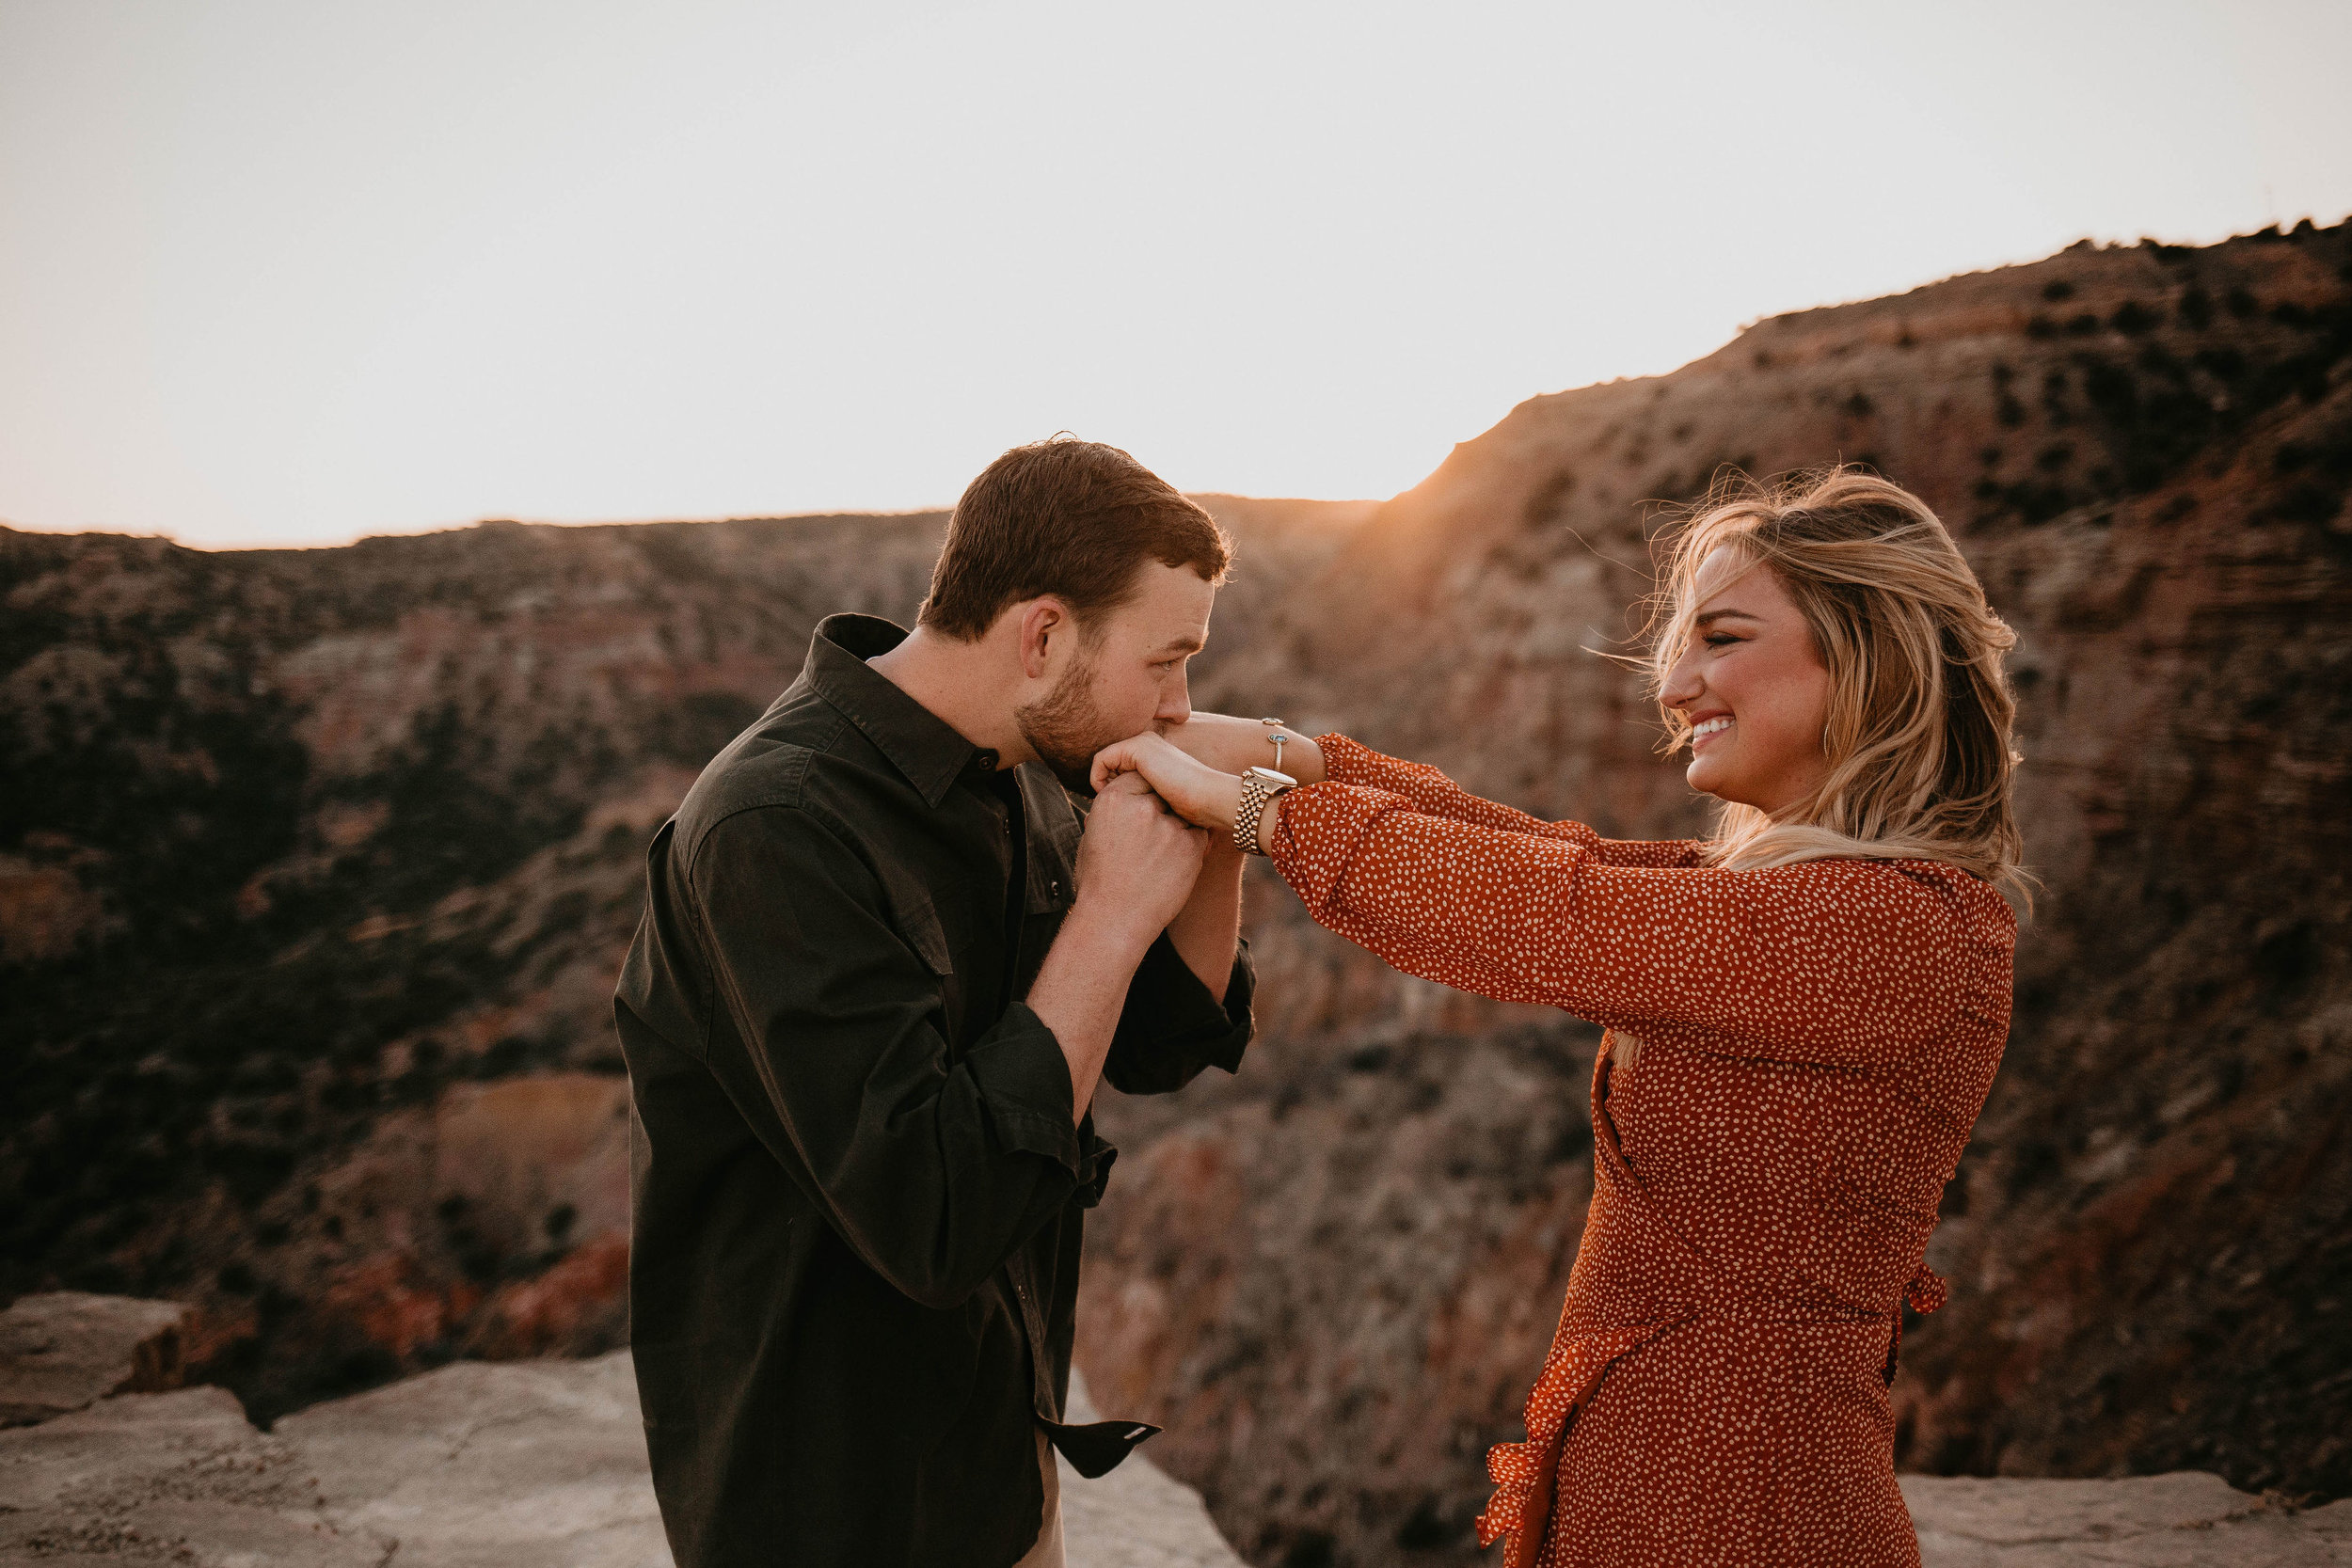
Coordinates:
<point>1302,759</point>
<point>1268,821</point>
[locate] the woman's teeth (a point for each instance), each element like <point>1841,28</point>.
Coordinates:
<point>1710,726</point>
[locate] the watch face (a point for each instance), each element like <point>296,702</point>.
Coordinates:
<point>1267,775</point>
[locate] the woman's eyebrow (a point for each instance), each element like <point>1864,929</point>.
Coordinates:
<point>1721,614</point>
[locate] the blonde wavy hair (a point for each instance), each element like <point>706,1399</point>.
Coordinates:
<point>1918,732</point>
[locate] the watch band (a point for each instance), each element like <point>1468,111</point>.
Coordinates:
<point>1258,787</point>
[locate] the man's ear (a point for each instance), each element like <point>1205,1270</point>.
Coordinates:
<point>1043,623</point>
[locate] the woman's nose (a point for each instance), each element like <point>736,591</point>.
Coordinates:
<point>1682,686</point>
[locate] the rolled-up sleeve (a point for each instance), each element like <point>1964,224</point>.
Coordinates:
<point>931,1171</point>
<point>1172,1027</point>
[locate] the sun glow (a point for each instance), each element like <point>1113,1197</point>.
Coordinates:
<point>282,273</point>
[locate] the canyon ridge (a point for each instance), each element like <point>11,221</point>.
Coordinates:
<point>316,869</point>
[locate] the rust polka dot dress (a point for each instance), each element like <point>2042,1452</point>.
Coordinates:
<point>1814,1044</point>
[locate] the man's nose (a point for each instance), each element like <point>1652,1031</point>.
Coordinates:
<point>1175,703</point>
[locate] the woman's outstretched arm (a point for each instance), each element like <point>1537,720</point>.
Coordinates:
<point>1844,960</point>
<point>1230,745</point>
<point>1831,960</point>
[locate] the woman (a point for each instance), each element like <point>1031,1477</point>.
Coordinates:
<point>1803,1014</point>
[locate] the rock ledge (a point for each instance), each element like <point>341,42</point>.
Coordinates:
<point>64,1351</point>
<point>542,1465</point>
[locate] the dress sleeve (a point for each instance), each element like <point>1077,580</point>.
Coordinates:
<point>1839,961</point>
<point>1433,794</point>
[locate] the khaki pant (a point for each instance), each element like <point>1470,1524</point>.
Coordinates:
<point>1047,1552</point>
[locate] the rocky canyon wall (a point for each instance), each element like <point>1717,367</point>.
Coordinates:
<point>1341,1269</point>
<point>315,868</point>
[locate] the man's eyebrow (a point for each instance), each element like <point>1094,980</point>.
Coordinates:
<point>1181,645</point>
<point>1721,614</point>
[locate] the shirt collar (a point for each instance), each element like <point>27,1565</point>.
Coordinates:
<point>920,744</point>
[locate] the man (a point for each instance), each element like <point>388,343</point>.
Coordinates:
<point>883,966</point>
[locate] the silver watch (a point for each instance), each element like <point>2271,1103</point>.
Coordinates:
<point>1258,787</point>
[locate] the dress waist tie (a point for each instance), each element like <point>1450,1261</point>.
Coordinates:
<point>1924,1294</point>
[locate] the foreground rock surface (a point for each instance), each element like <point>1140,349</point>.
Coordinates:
<point>543,1462</point>
<point>542,1465</point>
<point>64,1350</point>
<point>516,1464</point>
<point>2187,1518</point>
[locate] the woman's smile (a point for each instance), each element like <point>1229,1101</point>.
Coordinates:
<point>1749,646</point>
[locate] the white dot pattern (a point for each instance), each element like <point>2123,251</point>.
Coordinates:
<point>1815,1042</point>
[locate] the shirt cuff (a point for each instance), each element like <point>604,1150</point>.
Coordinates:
<point>1169,1009</point>
<point>1023,1081</point>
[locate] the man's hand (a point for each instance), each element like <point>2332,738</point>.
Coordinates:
<point>1138,861</point>
<point>1137,866</point>
<point>1229,745</point>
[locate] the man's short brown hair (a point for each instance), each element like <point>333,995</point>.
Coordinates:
<point>1068,517</point>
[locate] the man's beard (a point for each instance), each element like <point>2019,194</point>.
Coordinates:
<point>1065,729</point>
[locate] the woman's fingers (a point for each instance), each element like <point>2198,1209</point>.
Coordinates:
<point>1145,754</point>
<point>1111,761</point>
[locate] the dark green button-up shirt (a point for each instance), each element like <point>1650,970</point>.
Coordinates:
<point>858,1188</point>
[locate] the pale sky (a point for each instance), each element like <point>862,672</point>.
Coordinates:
<point>295,270</point>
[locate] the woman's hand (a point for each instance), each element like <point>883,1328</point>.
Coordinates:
<point>1229,745</point>
<point>1195,791</point>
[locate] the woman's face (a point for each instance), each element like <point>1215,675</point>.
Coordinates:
<point>1752,687</point>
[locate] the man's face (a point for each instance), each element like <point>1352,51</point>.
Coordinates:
<point>1124,675</point>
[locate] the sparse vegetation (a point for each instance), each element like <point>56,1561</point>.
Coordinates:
<point>2155,410</point>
